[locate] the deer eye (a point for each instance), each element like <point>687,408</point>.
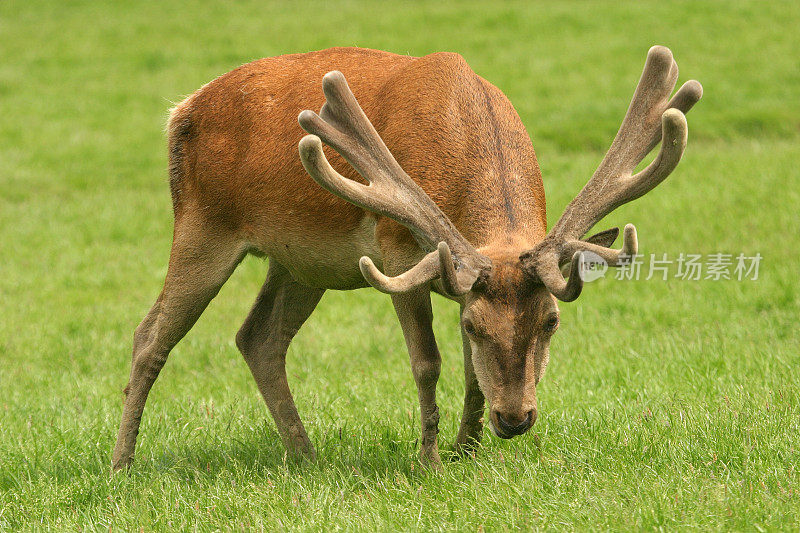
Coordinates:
<point>470,329</point>
<point>551,324</point>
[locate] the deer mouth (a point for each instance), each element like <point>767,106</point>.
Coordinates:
<point>508,430</point>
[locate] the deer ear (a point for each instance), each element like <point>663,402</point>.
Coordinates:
<point>604,238</point>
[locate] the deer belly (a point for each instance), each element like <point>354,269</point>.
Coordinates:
<point>326,259</point>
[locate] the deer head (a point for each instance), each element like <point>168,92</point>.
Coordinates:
<point>509,310</point>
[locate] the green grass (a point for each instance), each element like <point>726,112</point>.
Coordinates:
<point>666,404</point>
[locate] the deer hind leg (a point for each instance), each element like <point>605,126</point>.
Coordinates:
<point>141,336</point>
<point>282,306</point>
<point>200,262</point>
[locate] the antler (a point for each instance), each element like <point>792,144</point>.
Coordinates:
<point>651,116</point>
<point>343,125</point>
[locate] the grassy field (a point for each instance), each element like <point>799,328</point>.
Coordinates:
<point>668,405</point>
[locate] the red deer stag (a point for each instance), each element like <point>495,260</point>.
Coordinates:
<point>442,193</point>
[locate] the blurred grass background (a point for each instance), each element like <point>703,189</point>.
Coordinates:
<point>666,404</point>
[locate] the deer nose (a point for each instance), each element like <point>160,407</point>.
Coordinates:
<point>511,425</point>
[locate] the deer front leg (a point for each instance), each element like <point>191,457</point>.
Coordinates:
<point>416,316</point>
<point>469,433</point>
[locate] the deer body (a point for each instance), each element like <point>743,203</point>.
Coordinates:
<point>437,188</point>
<point>234,142</point>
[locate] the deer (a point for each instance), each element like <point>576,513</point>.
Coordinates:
<point>430,184</point>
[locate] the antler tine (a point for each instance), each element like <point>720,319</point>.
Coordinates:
<point>675,134</point>
<point>636,133</point>
<point>391,192</point>
<point>423,272</point>
<point>343,125</point>
<point>612,257</point>
<point>550,275</point>
<point>434,265</point>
